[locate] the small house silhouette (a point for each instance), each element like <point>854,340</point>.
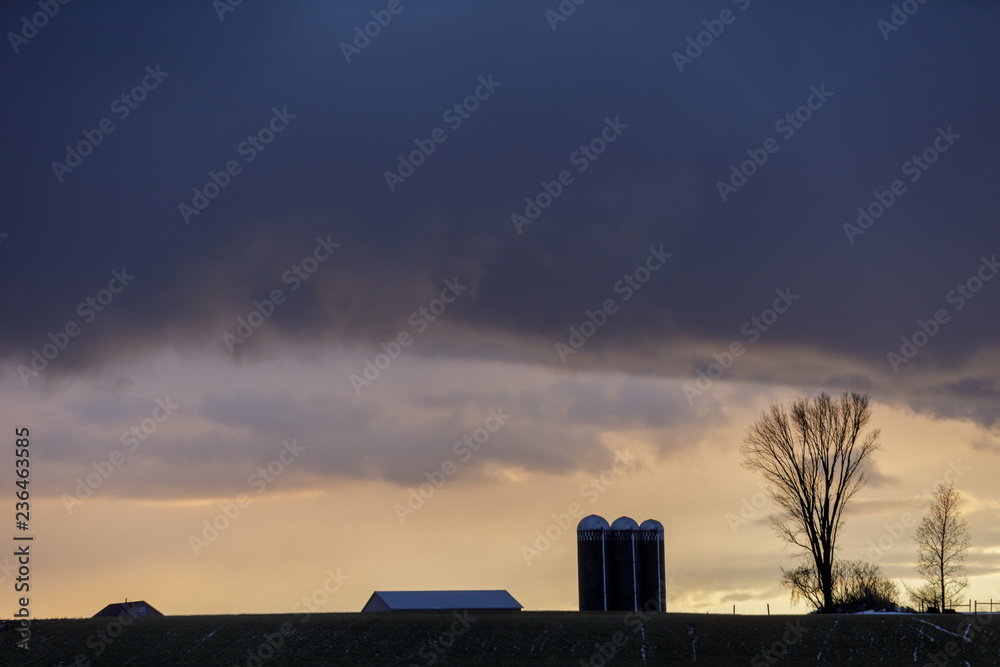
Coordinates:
<point>137,609</point>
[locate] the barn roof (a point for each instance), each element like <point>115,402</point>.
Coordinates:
<point>428,600</point>
<point>137,608</point>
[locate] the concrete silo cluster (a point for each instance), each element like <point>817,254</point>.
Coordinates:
<point>620,566</point>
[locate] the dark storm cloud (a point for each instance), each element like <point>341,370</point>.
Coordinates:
<point>655,184</point>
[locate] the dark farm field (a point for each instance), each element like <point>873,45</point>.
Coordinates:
<point>527,638</point>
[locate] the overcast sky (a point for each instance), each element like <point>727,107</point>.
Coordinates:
<point>498,244</point>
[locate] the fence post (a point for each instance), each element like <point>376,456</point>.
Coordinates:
<point>768,608</point>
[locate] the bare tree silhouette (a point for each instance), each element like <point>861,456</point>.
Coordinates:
<point>813,457</point>
<point>942,544</point>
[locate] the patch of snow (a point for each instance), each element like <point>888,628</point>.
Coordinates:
<point>820,654</point>
<point>642,647</point>
<point>204,638</point>
<point>694,653</point>
<point>946,631</point>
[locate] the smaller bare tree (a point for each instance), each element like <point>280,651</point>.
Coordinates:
<point>942,546</point>
<point>864,586</point>
<point>857,585</point>
<point>803,584</point>
<point>923,598</point>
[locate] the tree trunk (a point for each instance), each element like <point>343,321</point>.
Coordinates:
<point>942,587</point>
<point>826,581</point>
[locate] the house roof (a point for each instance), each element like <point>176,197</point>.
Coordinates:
<point>427,600</point>
<point>137,608</point>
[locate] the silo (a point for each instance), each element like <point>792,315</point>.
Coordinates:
<point>624,565</point>
<point>652,582</point>
<point>593,568</point>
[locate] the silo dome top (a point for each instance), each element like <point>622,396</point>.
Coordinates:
<point>592,522</point>
<point>651,524</point>
<point>624,523</point>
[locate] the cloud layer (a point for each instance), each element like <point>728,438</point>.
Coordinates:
<point>883,102</point>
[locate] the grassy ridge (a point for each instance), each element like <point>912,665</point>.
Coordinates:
<point>526,638</point>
